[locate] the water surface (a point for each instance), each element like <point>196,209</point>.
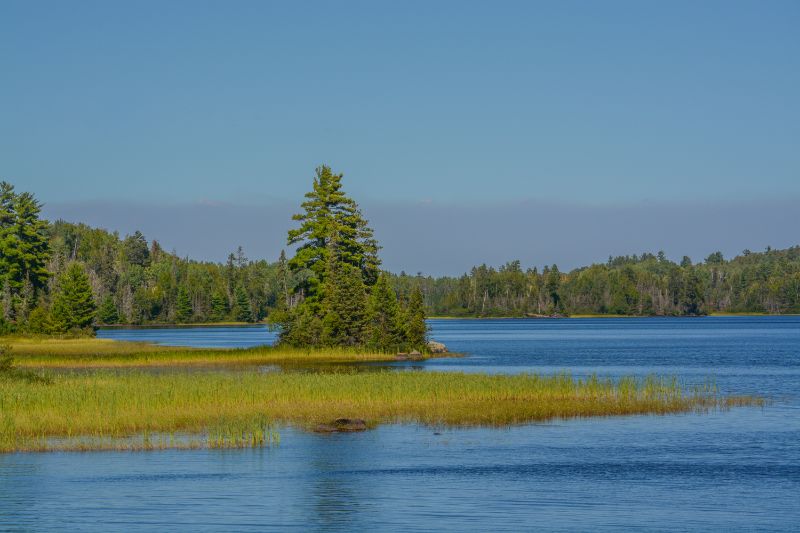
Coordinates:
<point>722,471</point>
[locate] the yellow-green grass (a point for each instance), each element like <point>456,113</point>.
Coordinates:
<point>105,353</point>
<point>108,409</point>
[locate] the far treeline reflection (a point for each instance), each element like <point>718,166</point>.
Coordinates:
<point>62,276</point>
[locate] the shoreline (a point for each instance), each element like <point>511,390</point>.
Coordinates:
<point>589,315</point>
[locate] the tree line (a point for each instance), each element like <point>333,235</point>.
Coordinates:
<point>61,276</point>
<point>64,277</point>
<point>641,285</point>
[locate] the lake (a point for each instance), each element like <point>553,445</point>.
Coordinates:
<point>734,470</point>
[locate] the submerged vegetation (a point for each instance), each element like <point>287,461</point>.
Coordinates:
<point>103,409</point>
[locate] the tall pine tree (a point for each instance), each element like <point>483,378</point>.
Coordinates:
<point>329,213</point>
<point>24,248</point>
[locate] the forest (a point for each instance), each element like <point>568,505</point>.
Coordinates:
<point>641,285</point>
<point>62,276</point>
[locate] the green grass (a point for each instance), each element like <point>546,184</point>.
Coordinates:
<point>142,410</point>
<point>105,353</point>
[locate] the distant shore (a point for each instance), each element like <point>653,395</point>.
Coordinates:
<point>589,315</point>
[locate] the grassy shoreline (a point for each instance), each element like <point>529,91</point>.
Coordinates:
<point>102,409</point>
<point>95,394</point>
<point>53,353</point>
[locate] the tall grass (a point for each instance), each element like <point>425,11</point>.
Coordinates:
<point>108,409</point>
<point>105,353</point>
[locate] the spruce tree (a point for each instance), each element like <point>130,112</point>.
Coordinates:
<point>416,329</point>
<point>107,313</point>
<point>183,306</point>
<point>345,317</point>
<point>73,305</point>
<point>384,332</point>
<point>244,312</point>
<point>219,307</point>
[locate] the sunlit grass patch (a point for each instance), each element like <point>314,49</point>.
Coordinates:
<point>105,353</point>
<point>111,408</point>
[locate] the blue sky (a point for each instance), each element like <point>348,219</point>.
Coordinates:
<point>124,114</point>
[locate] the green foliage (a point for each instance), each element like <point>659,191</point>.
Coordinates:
<point>73,305</point>
<point>219,307</point>
<point>345,317</point>
<point>183,308</point>
<point>335,263</point>
<point>328,215</point>
<point>243,311</point>
<point>299,326</point>
<point>646,284</point>
<point>385,329</point>
<point>24,253</point>
<point>416,329</point>
<point>39,321</point>
<point>107,314</point>
<point>135,250</point>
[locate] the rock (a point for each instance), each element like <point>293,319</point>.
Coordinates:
<point>402,356</point>
<point>342,425</point>
<point>436,347</point>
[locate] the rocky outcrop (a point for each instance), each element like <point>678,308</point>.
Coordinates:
<point>413,355</point>
<point>342,425</point>
<point>436,347</point>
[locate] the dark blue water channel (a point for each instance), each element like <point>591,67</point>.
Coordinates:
<point>722,471</point>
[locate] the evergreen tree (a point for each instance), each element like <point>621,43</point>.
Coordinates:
<point>219,307</point>
<point>329,213</point>
<point>693,293</point>
<point>73,305</point>
<point>107,313</point>
<point>24,247</point>
<point>183,306</point>
<point>553,284</point>
<point>384,327</point>
<point>39,321</point>
<point>244,312</point>
<point>416,329</point>
<point>345,317</point>
<point>135,249</point>
<point>284,296</point>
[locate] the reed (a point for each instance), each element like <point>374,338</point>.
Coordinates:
<point>107,409</point>
<point>105,353</point>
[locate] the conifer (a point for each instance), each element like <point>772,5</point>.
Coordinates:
<point>73,306</point>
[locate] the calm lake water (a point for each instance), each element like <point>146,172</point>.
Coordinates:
<point>736,470</point>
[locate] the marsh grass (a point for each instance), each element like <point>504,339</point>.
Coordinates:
<point>116,410</point>
<point>106,353</point>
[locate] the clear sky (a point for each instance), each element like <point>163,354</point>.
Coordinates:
<point>133,114</point>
